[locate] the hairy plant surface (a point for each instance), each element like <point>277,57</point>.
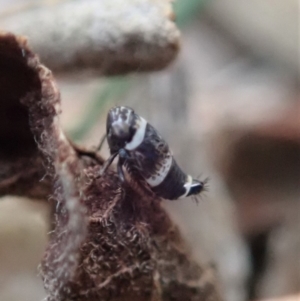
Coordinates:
<point>109,242</point>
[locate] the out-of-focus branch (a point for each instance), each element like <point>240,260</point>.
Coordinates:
<point>108,36</point>
<point>286,298</point>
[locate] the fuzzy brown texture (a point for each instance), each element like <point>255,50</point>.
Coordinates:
<point>21,166</point>
<point>109,241</point>
<point>107,36</point>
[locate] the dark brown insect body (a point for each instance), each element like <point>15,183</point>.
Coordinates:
<point>146,156</point>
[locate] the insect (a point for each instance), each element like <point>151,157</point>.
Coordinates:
<point>146,156</point>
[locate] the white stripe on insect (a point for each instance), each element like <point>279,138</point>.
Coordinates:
<point>188,185</point>
<point>139,135</point>
<point>161,173</point>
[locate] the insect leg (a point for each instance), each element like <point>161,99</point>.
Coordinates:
<point>81,151</point>
<point>123,156</point>
<point>120,169</point>
<point>101,143</point>
<point>107,163</point>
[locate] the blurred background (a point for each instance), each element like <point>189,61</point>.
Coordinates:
<point>229,108</point>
